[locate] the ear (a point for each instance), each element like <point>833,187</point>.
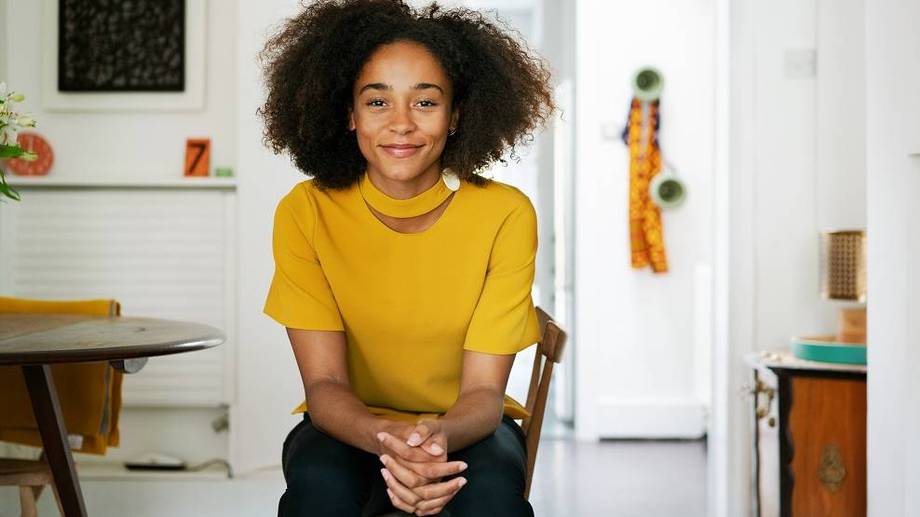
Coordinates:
<point>351,119</point>
<point>455,117</point>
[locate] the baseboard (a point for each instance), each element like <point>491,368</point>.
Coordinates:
<point>652,418</point>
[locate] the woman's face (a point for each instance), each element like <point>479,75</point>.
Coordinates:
<point>402,111</point>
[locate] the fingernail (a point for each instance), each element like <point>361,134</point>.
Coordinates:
<point>436,449</point>
<point>386,475</point>
<point>390,493</point>
<point>462,467</point>
<point>384,459</point>
<point>414,439</point>
<point>381,436</point>
<point>462,481</point>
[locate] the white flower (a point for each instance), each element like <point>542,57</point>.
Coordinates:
<point>25,121</point>
<point>3,89</point>
<point>8,135</point>
<point>17,97</point>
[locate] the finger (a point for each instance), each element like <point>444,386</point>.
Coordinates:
<point>401,449</point>
<point>408,477</point>
<point>436,490</point>
<point>434,511</point>
<point>418,435</point>
<point>434,445</point>
<point>433,506</point>
<point>401,491</point>
<point>419,467</point>
<point>427,470</point>
<point>399,503</point>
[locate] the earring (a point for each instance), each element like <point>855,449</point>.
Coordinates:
<point>450,179</point>
<point>452,131</point>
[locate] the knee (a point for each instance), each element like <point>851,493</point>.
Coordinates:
<point>321,474</point>
<point>490,495</point>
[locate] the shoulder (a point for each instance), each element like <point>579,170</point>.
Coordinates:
<point>501,200</point>
<point>308,192</point>
<point>301,207</point>
<point>306,199</point>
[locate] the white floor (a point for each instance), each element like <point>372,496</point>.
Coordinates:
<point>621,478</point>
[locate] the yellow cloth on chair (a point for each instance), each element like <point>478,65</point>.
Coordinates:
<point>89,393</point>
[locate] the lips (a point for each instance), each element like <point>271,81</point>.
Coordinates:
<point>401,150</point>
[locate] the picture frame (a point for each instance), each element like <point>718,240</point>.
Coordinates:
<point>191,99</point>
<point>136,46</point>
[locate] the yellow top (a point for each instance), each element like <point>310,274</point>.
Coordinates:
<point>409,303</point>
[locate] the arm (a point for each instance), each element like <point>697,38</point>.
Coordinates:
<point>477,412</point>
<point>334,408</point>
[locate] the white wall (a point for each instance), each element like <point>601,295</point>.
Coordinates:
<point>4,40</point>
<point>635,346</point>
<point>841,114</point>
<point>268,381</point>
<point>893,131</point>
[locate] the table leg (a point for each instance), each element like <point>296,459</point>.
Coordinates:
<point>47,411</point>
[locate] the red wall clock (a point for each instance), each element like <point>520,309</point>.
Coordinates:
<point>31,141</point>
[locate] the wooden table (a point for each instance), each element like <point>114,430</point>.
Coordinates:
<point>35,341</point>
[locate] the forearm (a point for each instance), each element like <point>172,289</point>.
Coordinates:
<point>336,411</point>
<point>475,415</point>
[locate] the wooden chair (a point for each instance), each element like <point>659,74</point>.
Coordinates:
<point>31,476</point>
<point>549,352</point>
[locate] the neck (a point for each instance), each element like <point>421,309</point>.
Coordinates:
<point>405,189</point>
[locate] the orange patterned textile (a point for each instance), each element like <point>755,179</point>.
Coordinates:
<point>645,232</point>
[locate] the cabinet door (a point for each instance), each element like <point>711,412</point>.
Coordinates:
<point>766,443</point>
<point>827,427</point>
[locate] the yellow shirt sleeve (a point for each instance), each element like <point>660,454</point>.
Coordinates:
<point>299,296</point>
<point>504,320</point>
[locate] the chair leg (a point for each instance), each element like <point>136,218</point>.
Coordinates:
<point>27,502</point>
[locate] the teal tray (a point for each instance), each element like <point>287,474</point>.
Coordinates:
<point>824,349</point>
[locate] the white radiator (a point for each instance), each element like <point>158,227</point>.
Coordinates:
<point>161,252</point>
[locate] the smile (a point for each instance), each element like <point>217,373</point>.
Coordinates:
<point>401,151</point>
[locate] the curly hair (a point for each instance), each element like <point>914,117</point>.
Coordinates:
<point>310,65</point>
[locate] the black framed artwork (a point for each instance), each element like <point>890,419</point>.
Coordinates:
<point>121,46</point>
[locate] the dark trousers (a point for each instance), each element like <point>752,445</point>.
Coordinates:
<point>326,477</point>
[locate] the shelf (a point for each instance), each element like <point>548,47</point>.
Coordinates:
<point>783,359</point>
<point>116,471</point>
<point>53,182</point>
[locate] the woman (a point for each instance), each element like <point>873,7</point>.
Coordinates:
<point>402,276</point>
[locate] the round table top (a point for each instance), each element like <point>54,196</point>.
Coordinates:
<point>63,338</point>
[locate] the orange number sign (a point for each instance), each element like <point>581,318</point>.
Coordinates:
<point>197,156</point>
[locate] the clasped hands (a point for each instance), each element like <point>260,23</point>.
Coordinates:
<point>415,460</point>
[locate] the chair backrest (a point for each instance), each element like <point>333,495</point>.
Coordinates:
<point>89,393</point>
<point>549,352</point>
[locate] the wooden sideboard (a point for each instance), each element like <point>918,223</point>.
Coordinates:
<point>809,437</point>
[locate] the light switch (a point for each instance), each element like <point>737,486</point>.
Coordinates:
<point>800,63</point>
<point>611,131</point>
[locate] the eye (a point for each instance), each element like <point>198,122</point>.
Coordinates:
<point>376,103</point>
<point>429,103</point>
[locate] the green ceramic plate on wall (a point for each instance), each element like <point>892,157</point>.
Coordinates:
<point>825,349</point>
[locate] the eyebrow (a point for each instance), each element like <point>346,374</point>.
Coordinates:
<point>387,87</point>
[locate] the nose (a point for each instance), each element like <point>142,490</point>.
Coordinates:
<point>402,121</point>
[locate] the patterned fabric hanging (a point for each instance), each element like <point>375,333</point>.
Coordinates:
<point>645,231</point>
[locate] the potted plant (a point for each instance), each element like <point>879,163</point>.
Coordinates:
<point>11,121</point>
